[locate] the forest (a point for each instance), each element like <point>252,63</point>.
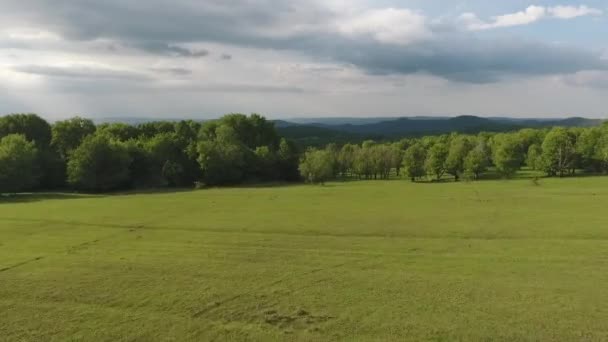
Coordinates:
<point>76,154</point>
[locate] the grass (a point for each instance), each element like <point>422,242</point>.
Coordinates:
<point>355,261</point>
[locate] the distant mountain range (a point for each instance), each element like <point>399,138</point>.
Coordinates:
<point>321,131</point>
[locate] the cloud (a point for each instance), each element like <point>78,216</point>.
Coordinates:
<point>379,41</point>
<point>239,88</point>
<point>173,71</point>
<point>171,50</point>
<point>589,78</point>
<point>390,25</point>
<point>81,72</point>
<point>569,12</point>
<point>530,15</point>
<point>463,59</point>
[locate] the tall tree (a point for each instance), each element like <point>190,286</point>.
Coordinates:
<point>99,164</point>
<point>397,152</point>
<point>288,159</point>
<point>346,159</point>
<point>435,161</point>
<point>534,157</point>
<point>558,152</point>
<point>224,159</point>
<point>413,161</point>
<point>477,160</point>
<point>507,154</point>
<point>68,134</point>
<point>588,148</point>
<point>33,127</point>
<point>18,164</point>
<point>459,149</point>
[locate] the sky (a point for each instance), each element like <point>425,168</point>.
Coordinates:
<point>304,58</point>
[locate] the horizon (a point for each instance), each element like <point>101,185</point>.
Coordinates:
<point>302,119</point>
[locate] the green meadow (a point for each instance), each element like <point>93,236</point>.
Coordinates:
<point>352,261</point>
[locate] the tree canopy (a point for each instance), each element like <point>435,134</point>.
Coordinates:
<point>18,167</point>
<point>236,148</point>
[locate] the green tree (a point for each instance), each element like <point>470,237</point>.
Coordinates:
<point>477,160</point>
<point>99,164</point>
<point>18,164</point>
<point>167,150</point>
<point>119,131</point>
<point>38,131</point>
<point>288,159</point>
<point>436,158</point>
<point>140,166</point>
<point>507,154</point>
<point>172,173</point>
<point>346,159</point>
<point>534,157</point>
<point>253,131</point>
<point>413,161</point>
<point>529,137</point>
<point>363,163</point>
<point>150,129</point>
<point>33,127</point>
<point>601,151</point>
<point>460,146</point>
<point>334,153</point>
<point>588,148</point>
<point>316,166</point>
<point>266,164</point>
<point>397,153</point>
<point>558,152</point>
<point>224,159</point>
<point>68,134</point>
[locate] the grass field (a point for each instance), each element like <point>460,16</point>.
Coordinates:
<point>358,261</point>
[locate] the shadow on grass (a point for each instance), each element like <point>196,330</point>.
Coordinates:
<point>45,196</point>
<point>262,185</point>
<point>36,197</point>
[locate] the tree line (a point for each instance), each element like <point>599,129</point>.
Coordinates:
<point>77,154</point>
<point>555,151</point>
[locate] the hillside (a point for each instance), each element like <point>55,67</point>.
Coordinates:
<point>323,132</point>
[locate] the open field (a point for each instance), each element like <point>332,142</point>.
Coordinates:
<point>358,261</point>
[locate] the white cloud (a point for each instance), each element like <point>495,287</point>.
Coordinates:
<point>589,78</point>
<point>528,16</point>
<point>389,25</point>
<point>289,57</point>
<point>569,12</point>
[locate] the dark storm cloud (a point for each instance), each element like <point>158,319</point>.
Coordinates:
<point>464,59</point>
<point>159,26</point>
